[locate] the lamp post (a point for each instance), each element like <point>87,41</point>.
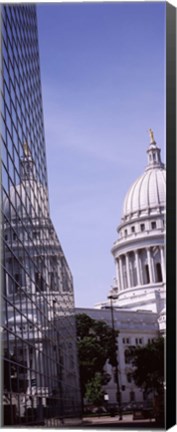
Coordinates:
<point>59,364</point>
<point>118,393</point>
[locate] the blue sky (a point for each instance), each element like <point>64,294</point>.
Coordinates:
<point>103,84</point>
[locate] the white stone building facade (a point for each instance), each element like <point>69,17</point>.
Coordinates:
<point>134,329</point>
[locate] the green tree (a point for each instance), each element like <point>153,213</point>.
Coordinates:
<point>94,392</point>
<point>96,345</point>
<point>149,366</point>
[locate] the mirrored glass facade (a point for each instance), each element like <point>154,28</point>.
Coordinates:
<point>40,367</point>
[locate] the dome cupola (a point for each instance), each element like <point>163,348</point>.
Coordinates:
<point>27,167</point>
<point>154,158</point>
<point>147,195</point>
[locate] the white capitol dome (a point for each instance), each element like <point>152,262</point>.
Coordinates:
<point>147,194</point>
<point>139,250</point>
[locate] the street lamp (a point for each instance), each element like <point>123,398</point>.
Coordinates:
<point>118,393</point>
<point>59,364</point>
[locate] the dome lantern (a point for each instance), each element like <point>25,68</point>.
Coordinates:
<point>154,158</point>
<point>27,167</point>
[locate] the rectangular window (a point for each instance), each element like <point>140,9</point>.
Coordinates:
<point>153,225</point>
<point>139,341</point>
<point>144,396</point>
<point>18,281</point>
<point>159,272</point>
<point>36,235</point>
<point>129,377</point>
<point>142,227</point>
<point>126,340</point>
<point>132,396</point>
<point>127,356</point>
<point>39,281</point>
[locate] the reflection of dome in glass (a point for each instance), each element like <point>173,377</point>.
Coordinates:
<point>148,193</point>
<point>18,319</point>
<point>27,199</point>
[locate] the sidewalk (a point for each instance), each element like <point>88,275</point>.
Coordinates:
<point>110,419</point>
<point>127,421</point>
<point>105,422</point>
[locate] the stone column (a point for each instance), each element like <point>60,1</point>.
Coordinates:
<point>137,267</point>
<point>162,263</point>
<point>121,273</point>
<point>127,270</point>
<point>150,264</point>
<point>118,274</point>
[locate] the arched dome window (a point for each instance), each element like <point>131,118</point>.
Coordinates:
<point>147,274</point>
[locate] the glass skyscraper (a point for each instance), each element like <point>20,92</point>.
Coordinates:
<point>39,355</point>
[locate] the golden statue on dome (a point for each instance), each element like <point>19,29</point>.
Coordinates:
<point>151,133</point>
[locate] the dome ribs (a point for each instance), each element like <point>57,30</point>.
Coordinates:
<point>157,189</point>
<point>140,197</point>
<point>147,192</point>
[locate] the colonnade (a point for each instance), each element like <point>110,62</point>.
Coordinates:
<point>138,267</point>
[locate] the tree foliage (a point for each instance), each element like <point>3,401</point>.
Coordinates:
<point>149,366</point>
<point>94,392</point>
<point>96,346</point>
